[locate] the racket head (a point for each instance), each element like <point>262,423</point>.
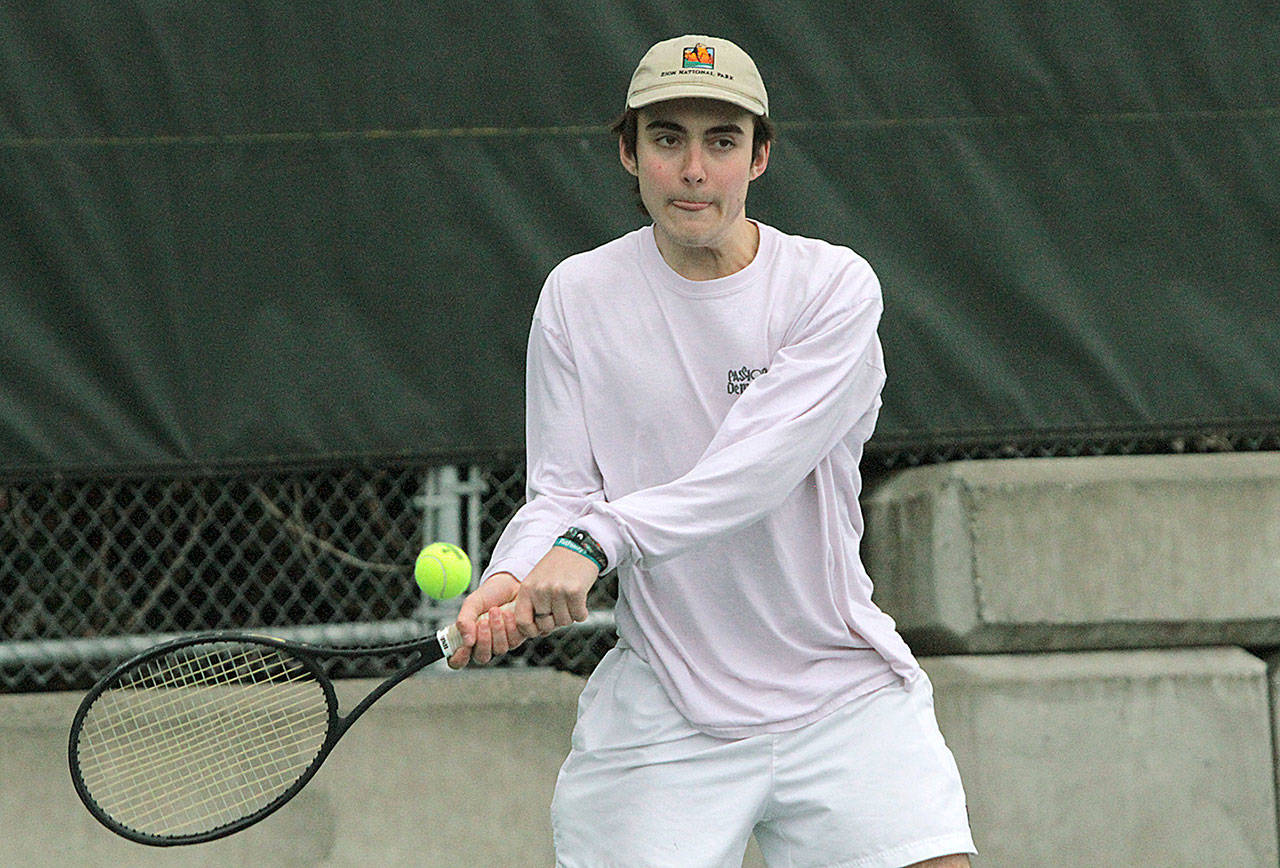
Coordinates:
<point>200,737</point>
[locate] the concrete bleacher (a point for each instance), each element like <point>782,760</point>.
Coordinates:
<point>1130,758</point>
<point>1096,630</point>
<point>1078,553</point>
<point>1095,613</point>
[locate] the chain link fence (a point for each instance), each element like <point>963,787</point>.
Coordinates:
<point>95,569</point>
<point>92,570</point>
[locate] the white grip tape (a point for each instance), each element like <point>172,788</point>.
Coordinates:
<point>450,639</point>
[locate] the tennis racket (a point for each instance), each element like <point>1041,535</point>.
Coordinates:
<point>201,737</point>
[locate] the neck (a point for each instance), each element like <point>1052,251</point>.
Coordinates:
<point>733,254</point>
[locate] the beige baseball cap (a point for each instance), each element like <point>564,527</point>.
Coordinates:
<point>698,66</point>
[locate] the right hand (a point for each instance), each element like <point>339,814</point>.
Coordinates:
<point>487,630</point>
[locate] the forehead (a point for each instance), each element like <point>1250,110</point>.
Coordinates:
<point>696,114</point>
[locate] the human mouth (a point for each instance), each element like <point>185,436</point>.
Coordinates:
<point>689,205</point>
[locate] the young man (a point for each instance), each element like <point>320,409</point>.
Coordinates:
<point>699,393</point>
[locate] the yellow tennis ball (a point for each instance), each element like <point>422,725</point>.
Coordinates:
<point>442,571</point>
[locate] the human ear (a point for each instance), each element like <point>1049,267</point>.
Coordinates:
<point>760,161</point>
<point>628,158</point>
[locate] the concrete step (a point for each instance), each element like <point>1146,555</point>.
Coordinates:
<point>1079,553</point>
<point>1124,758</point>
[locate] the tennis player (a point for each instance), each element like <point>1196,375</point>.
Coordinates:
<point>699,393</point>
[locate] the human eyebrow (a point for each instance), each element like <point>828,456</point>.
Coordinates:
<point>665,125</point>
<point>718,131</point>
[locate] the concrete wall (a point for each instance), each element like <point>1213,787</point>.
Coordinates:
<point>1147,755</point>
<point>1112,758</point>
<point>1273,669</point>
<point>446,769</point>
<point>1131,758</point>
<point>1089,738</point>
<point>1072,553</point>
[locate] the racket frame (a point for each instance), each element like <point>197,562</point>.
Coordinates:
<point>427,650</point>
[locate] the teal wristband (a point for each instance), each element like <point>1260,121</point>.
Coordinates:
<point>566,542</point>
<point>574,547</point>
<point>588,543</point>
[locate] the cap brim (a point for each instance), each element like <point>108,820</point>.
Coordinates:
<point>667,92</point>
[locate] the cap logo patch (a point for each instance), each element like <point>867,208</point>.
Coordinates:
<point>699,57</point>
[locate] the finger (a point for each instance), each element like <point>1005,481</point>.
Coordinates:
<point>483,651</point>
<point>498,633</point>
<point>460,658</point>
<point>468,614</point>
<point>525,615</point>
<point>546,603</point>
<point>578,610</point>
<point>545,624</point>
<point>508,625</point>
<point>560,612</point>
<point>543,612</point>
<point>463,655</point>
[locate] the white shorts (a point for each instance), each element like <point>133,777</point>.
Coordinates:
<point>871,785</point>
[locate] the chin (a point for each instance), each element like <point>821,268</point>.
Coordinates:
<point>685,239</point>
<point>692,236</point>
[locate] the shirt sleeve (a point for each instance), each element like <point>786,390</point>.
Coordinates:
<point>826,377</point>
<point>562,477</point>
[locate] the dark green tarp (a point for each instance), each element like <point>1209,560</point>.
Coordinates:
<point>254,232</point>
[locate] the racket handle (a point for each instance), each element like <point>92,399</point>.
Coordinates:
<point>450,638</point>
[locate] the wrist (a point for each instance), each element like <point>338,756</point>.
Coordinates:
<point>579,541</point>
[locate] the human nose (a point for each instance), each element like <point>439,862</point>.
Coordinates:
<point>693,171</point>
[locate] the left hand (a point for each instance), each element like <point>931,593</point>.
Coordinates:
<point>487,630</point>
<point>554,593</point>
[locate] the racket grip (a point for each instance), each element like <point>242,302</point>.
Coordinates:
<point>450,638</point>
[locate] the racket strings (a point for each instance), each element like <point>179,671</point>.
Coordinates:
<point>206,725</point>
<point>203,709</point>
<point>205,737</point>
<point>201,737</point>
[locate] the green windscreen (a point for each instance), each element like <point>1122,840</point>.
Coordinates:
<point>276,232</point>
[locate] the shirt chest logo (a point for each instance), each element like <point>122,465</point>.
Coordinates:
<point>741,378</point>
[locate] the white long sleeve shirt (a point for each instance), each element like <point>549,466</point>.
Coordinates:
<point>707,434</point>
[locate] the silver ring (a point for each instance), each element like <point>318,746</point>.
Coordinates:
<point>543,615</point>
